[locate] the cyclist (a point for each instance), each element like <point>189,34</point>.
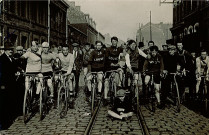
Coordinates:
<point>112,56</point>
<point>155,65</point>
<point>124,62</point>
<point>136,62</point>
<point>202,64</point>
<point>170,66</point>
<point>33,56</point>
<point>47,60</point>
<point>185,63</point>
<point>67,61</point>
<point>96,64</point>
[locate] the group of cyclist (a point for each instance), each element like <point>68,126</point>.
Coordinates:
<point>126,63</point>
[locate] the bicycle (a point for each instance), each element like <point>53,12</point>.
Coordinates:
<point>205,90</point>
<point>112,84</point>
<point>174,92</point>
<point>135,92</point>
<point>151,91</point>
<point>63,95</point>
<point>94,87</point>
<point>45,103</point>
<point>57,79</point>
<point>29,99</point>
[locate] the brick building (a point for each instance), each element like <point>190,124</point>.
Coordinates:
<point>160,33</point>
<point>190,24</point>
<point>82,27</point>
<point>24,21</point>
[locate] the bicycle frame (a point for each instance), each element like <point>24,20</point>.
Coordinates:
<point>177,91</point>
<point>112,84</point>
<point>205,91</point>
<point>93,89</point>
<point>135,86</point>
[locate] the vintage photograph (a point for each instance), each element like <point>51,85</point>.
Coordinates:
<point>104,67</point>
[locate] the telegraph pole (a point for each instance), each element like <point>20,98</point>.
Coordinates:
<point>48,21</point>
<point>150,26</point>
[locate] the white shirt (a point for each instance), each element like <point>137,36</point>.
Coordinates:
<point>33,62</point>
<point>66,62</point>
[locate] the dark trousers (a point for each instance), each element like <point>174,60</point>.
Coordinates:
<point>77,76</point>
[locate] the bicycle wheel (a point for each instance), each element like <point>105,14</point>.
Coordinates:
<point>178,100</point>
<point>152,98</point>
<point>43,103</point>
<point>92,98</point>
<point>27,105</point>
<point>62,100</point>
<point>206,97</point>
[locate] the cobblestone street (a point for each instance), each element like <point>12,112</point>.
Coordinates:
<point>74,123</point>
<point>169,122</point>
<point>162,122</point>
<point>104,125</point>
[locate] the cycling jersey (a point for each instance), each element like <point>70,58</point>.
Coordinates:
<point>202,65</point>
<point>97,61</point>
<point>112,55</point>
<point>170,63</point>
<point>135,59</point>
<point>154,64</point>
<point>185,59</point>
<point>33,61</point>
<point>46,61</point>
<point>66,61</point>
<point>86,57</point>
<point>124,60</point>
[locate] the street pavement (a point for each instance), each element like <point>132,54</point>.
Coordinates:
<point>74,123</point>
<point>104,125</point>
<point>169,122</point>
<point>162,122</point>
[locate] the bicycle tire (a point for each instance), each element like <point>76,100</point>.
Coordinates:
<point>61,100</point>
<point>27,110</point>
<point>206,98</point>
<point>92,98</point>
<point>41,104</point>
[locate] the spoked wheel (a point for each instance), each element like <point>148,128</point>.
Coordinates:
<point>62,102</point>
<point>92,98</point>
<point>151,99</point>
<point>56,90</point>
<point>178,104</point>
<point>27,105</point>
<point>43,105</point>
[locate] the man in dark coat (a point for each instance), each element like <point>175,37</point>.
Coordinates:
<point>8,90</point>
<point>78,64</point>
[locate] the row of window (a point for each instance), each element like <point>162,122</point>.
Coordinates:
<point>37,12</point>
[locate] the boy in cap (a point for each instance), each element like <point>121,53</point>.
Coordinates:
<point>122,108</point>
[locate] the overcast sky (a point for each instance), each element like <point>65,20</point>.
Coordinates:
<point>122,17</point>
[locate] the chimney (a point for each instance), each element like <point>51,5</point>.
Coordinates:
<point>78,8</point>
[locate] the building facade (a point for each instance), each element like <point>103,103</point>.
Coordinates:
<point>24,21</point>
<point>190,24</point>
<point>83,27</point>
<point>160,33</point>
